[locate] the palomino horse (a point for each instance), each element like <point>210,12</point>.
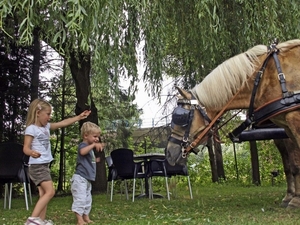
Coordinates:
<point>265,80</point>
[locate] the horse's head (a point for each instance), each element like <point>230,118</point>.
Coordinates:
<point>189,119</point>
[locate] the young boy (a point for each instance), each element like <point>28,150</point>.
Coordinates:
<point>85,172</point>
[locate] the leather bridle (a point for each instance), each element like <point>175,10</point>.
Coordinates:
<point>184,139</point>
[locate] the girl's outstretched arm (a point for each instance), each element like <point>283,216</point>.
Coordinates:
<point>69,121</point>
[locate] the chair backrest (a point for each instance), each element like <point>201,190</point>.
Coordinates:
<point>112,171</point>
<point>156,168</point>
<point>109,161</point>
<point>176,170</point>
<point>12,162</point>
<point>156,165</point>
<point>123,161</point>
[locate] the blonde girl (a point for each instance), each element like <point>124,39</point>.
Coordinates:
<point>37,146</point>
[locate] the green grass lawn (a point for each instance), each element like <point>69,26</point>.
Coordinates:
<point>214,204</point>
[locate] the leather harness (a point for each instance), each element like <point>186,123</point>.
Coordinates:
<point>289,101</point>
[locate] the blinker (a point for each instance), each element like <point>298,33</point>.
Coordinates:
<point>180,116</point>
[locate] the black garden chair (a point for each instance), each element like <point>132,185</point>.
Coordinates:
<point>126,167</point>
<point>112,176</point>
<point>14,169</point>
<point>163,168</point>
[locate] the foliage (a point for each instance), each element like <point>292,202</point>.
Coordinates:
<point>203,34</point>
<point>269,160</point>
<point>216,204</point>
<point>200,170</point>
<point>146,146</point>
<point>118,109</point>
<point>15,85</point>
<point>61,96</point>
<point>118,116</point>
<point>177,38</point>
<point>109,31</point>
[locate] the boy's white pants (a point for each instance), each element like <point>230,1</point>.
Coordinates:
<point>82,198</point>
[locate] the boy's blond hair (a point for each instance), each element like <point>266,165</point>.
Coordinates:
<point>88,128</point>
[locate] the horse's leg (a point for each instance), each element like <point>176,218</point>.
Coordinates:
<point>283,145</point>
<point>293,123</point>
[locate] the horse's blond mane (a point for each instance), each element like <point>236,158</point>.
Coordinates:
<point>225,80</point>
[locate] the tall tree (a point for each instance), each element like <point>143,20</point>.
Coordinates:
<point>179,38</point>
<point>14,86</point>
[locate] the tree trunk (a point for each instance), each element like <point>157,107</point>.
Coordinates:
<point>219,160</point>
<point>80,66</point>
<point>62,158</point>
<point>212,160</point>
<point>34,86</point>
<point>254,163</point>
<point>3,89</point>
<point>36,65</point>
<point>100,183</point>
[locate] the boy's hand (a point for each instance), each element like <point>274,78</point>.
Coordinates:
<point>99,147</point>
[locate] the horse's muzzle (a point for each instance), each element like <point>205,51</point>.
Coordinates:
<point>174,154</point>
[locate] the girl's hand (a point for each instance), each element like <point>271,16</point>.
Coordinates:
<point>35,154</point>
<point>84,114</point>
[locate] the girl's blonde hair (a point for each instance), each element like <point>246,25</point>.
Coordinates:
<point>88,128</point>
<point>36,105</point>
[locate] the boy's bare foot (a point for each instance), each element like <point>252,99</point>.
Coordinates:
<point>81,223</point>
<point>88,221</point>
<point>80,220</point>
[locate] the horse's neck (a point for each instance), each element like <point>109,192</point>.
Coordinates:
<point>240,100</point>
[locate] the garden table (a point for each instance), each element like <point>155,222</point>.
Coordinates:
<point>146,158</point>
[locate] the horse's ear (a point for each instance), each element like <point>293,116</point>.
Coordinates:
<point>183,92</point>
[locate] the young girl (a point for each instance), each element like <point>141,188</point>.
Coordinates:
<point>37,146</point>
<point>85,172</point>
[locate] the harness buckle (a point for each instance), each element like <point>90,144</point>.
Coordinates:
<point>184,154</point>
<point>280,76</point>
<point>194,102</point>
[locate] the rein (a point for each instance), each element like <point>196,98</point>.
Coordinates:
<point>216,137</point>
<point>196,142</point>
